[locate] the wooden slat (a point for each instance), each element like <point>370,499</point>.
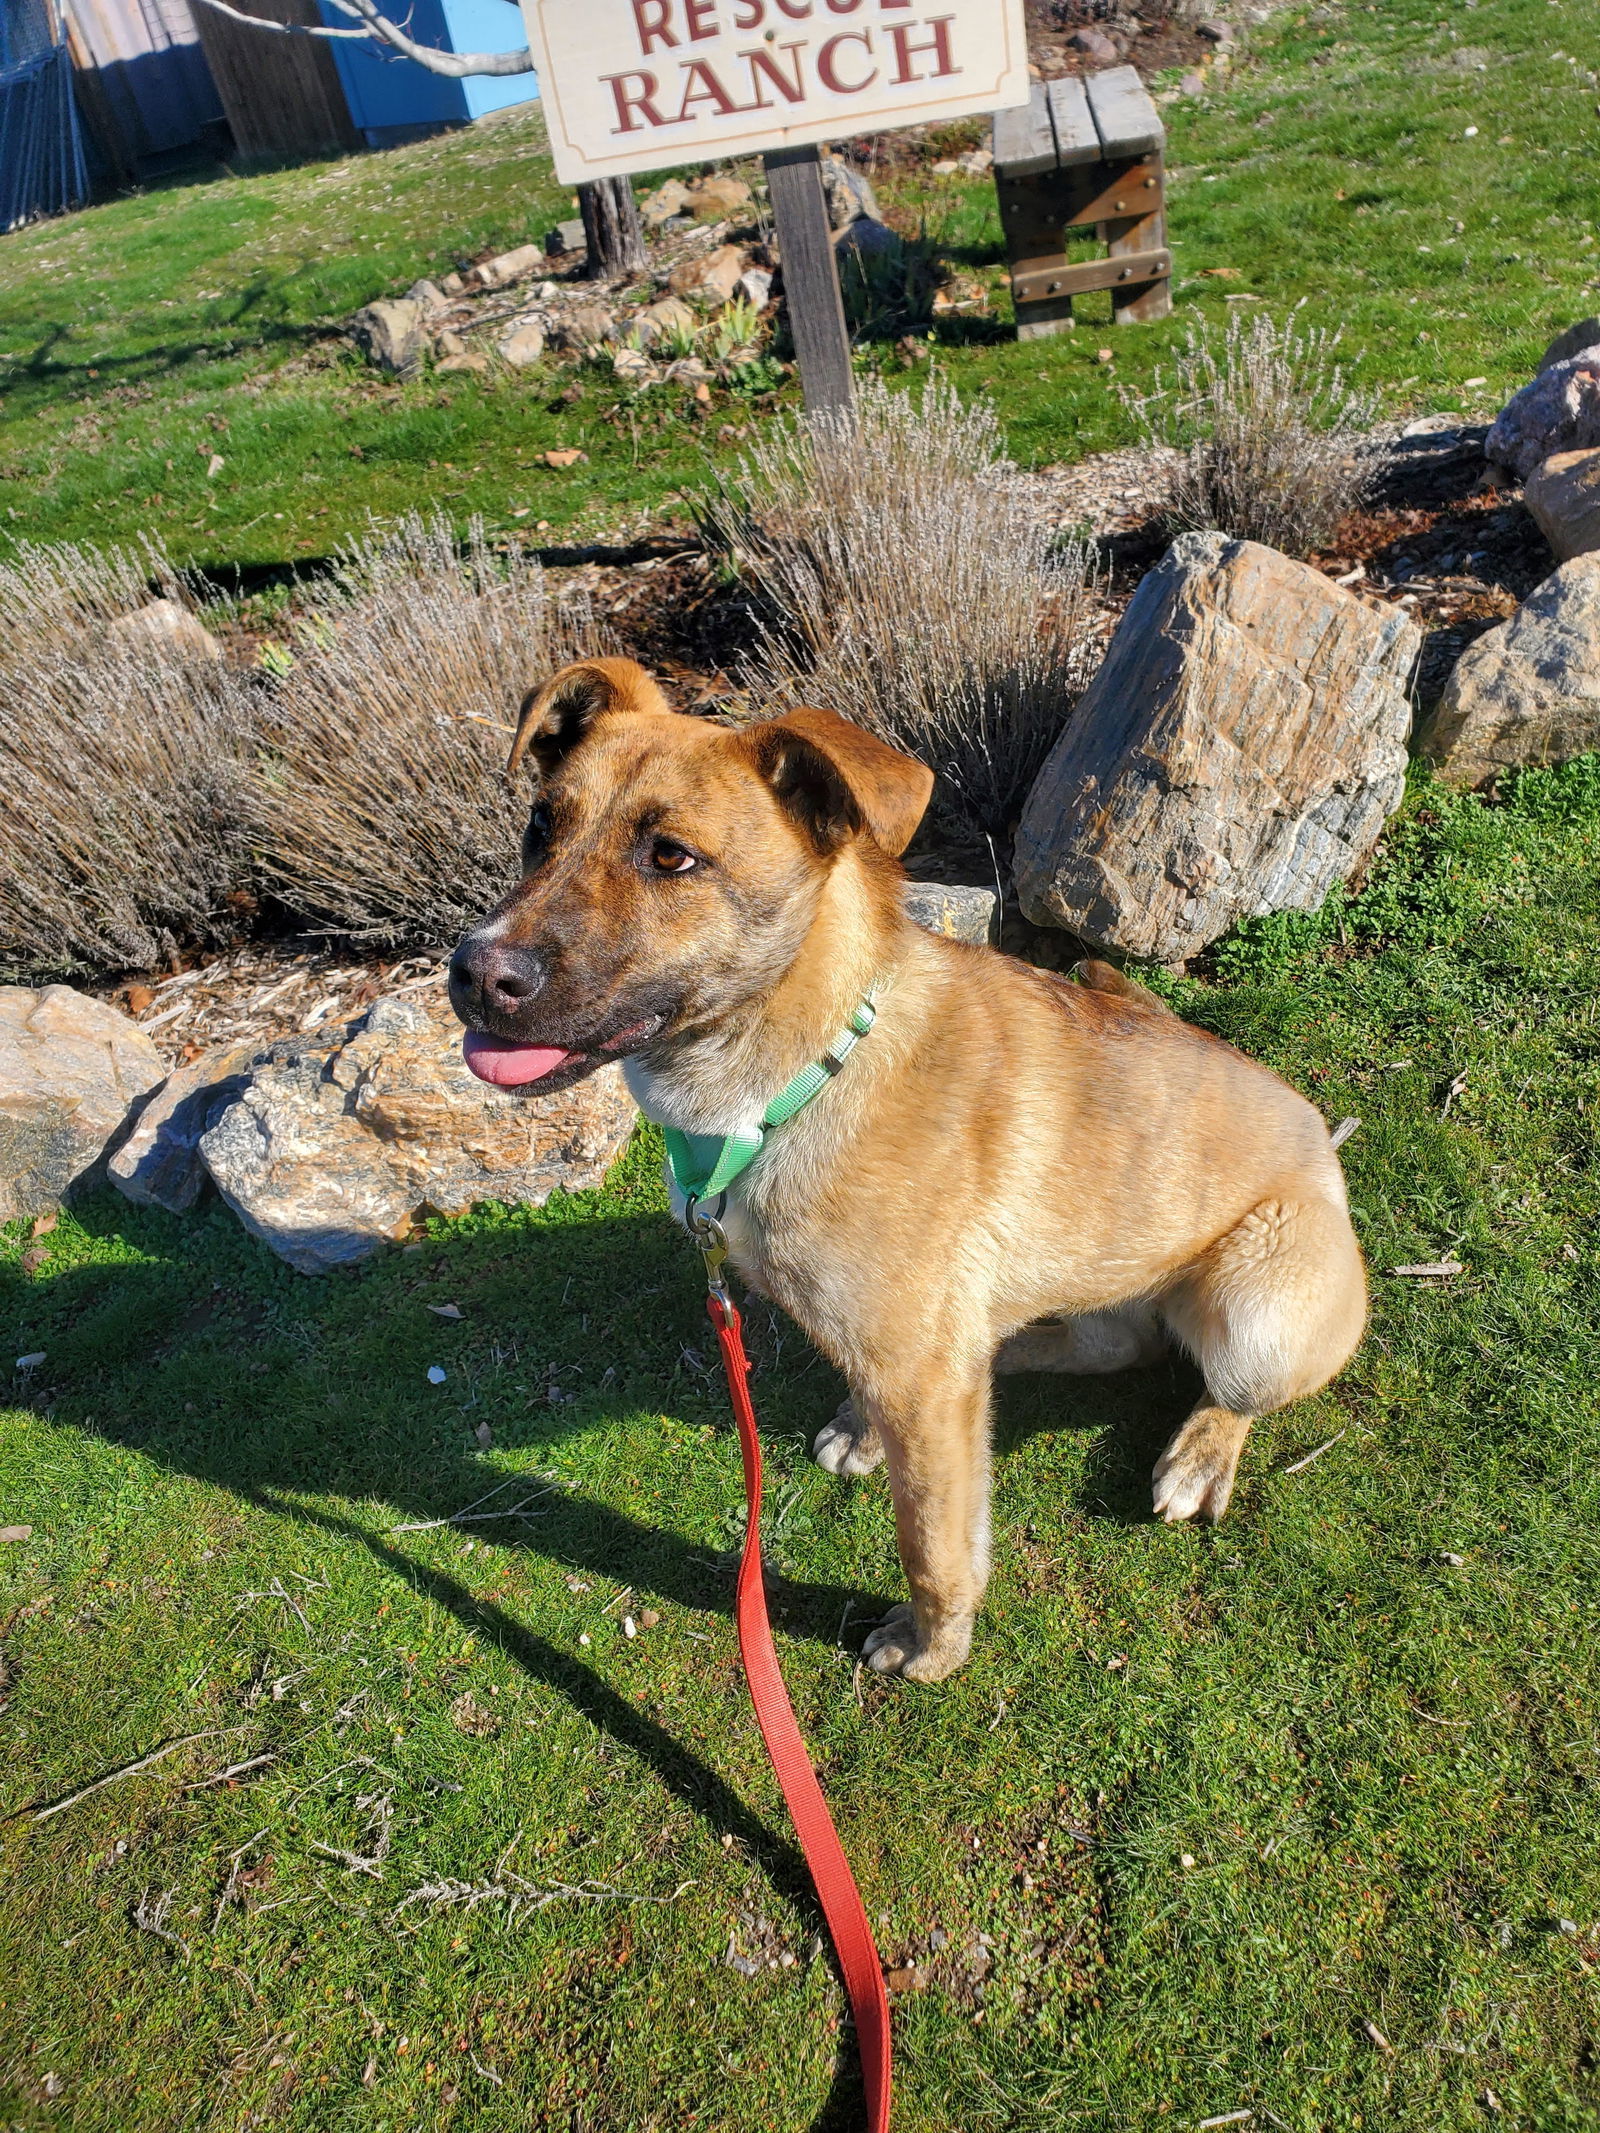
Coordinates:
<point>811,280</point>
<point>1133,302</point>
<point>281,95</point>
<point>1024,140</point>
<point>1127,122</point>
<point>1038,283</point>
<point>1076,138</point>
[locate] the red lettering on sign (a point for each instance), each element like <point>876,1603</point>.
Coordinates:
<point>702,19</point>
<point>754,14</point>
<point>842,7</point>
<point>827,69</point>
<point>653,19</point>
<point>710,91</point>
<point>938,44</point>
<point>761,62</point>
<point>796,10</point>
<point>634,100</point>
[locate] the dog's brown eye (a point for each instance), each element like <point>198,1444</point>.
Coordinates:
<point>668,857</point>
<point>539,824</point>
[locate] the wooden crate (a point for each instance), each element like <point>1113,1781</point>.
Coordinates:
<point>1084,155</point>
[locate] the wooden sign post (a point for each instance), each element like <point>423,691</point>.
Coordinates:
<point>811,279</point>
<point>637,85</point>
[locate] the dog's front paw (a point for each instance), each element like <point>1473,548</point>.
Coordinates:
<point>1194,1475</point>
<point>896,1647</point>
<point>848,1445</point>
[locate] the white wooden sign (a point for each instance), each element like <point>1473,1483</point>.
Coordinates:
<point>640,84</point>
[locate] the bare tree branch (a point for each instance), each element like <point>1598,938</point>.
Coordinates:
<point>375,24</point>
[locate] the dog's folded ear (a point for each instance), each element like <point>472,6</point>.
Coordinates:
<point>839,780</point>
<point>555,718</point>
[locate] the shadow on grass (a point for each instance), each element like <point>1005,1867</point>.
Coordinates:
<point>212,1360</point>
<point>125,1343</point>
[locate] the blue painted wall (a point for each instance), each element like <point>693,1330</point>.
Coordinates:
<point>387,93</point>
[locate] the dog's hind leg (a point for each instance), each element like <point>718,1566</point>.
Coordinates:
<point>1088,1346</point>
<point>847,1445</point>
<point>937,1446</point>
<point>1272,1311</point>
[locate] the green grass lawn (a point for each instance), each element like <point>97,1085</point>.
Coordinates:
<point>1218,1800</point>
<point>139,338</point>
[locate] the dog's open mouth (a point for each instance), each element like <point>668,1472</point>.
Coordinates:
<point>510,1065</point>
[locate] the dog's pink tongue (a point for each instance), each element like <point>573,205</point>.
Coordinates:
<point>508,1065</point>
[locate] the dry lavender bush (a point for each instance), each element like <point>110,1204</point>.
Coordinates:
<point>378,808</point>
<point>1271,431</point>
<point>122,765</point>
<point>913,586</point>
<point>60,598</point>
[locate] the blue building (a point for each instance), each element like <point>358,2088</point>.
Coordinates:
<point>393,99</point>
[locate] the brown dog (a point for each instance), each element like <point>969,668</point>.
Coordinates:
<point>1010,1169</point>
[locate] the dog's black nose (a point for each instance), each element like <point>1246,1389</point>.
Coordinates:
<point>496,977</point>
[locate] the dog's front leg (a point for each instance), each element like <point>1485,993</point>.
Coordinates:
<point>936,1443</point>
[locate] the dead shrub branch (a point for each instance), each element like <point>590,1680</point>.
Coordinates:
<point>913,586</point>
<point>379,808</point>
<point>1271,431</point>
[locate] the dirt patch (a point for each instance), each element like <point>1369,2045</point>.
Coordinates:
<point>1155,40</point>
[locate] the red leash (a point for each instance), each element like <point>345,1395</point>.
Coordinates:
<point>819,1840</point>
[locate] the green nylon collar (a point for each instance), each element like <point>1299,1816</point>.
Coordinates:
<point>702,1164</point>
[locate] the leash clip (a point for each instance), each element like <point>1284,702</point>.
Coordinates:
<point>709,1235</point>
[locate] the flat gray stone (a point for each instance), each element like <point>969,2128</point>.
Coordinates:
<point>1238,752</point>
<point>159,1163</point>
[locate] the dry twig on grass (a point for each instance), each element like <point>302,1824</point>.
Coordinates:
<point>125,1770</point>
<point>150,1913</point>
<point>913,586</point>
<point>379,1807</point>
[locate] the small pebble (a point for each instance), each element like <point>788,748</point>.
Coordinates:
<point>1456,1562</point>
<point>630,1628</point>
<point>1186,1859</point>
<point>648,1618</point>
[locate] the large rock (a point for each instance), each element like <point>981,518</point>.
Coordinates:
<point>1239,751</point>
<point>390,334</point>
<point>71,1069</point>
<point>1527,691</point>
<point>670,315</point>
<point>1563,493</point>
<point>335,1145</point>
<point>1558,412</point>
